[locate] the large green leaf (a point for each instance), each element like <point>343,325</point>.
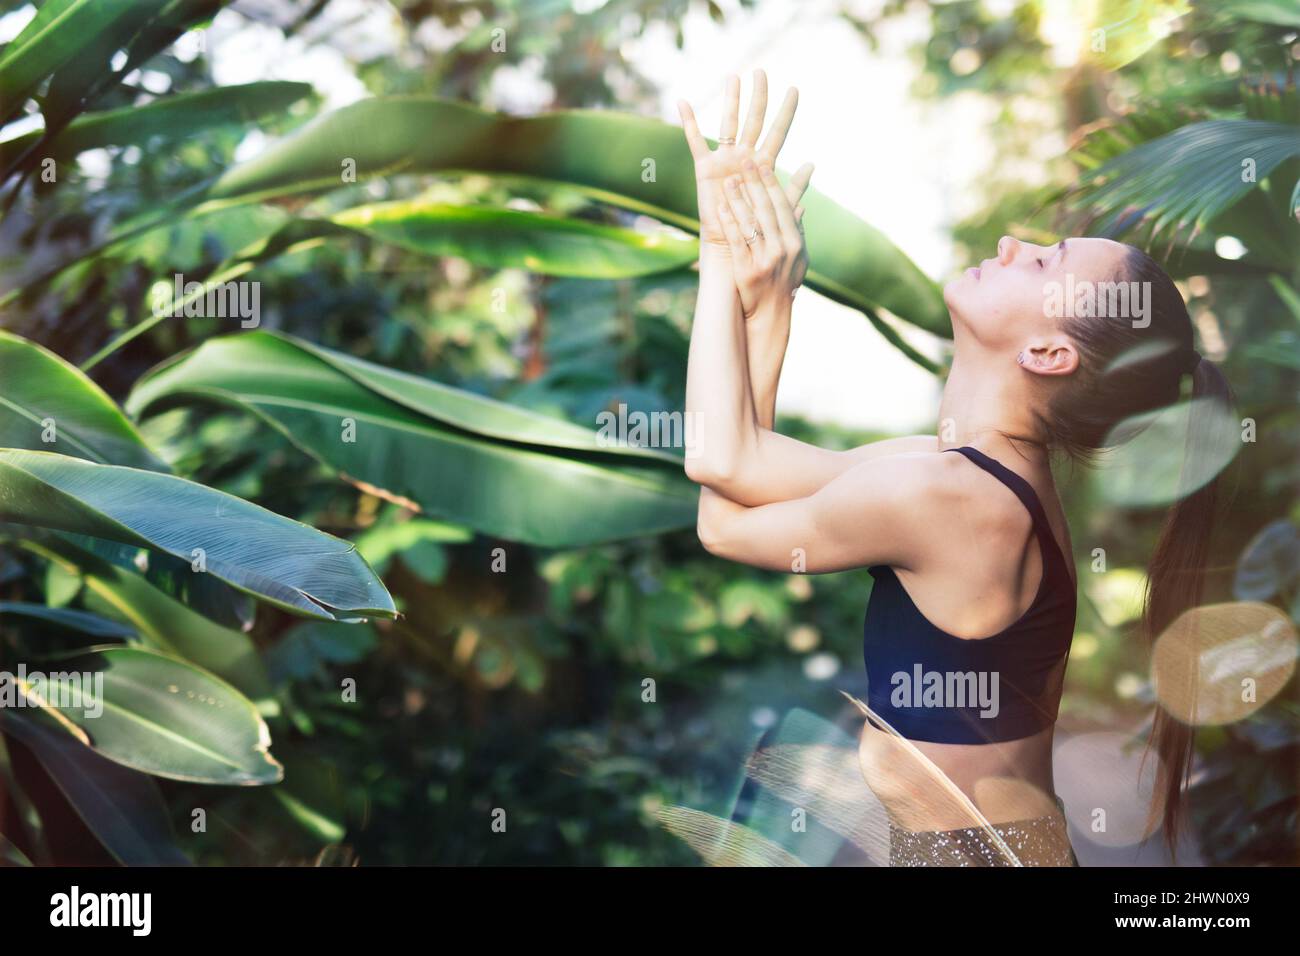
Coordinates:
<point>45,397</point>
<point>121,807</point>
<point>280,560</point>
<point>179,116</point>
<point>158,715</point>
<point>67,618</point>
<point>497,468</point>
<point>174,577</point>
<point>1187,178</point>
<point>500,238</point>
<point>162,622</point>
<point>629,161</point>
<point>61,30</point>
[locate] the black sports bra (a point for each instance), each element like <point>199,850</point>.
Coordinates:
<point>932,686</point>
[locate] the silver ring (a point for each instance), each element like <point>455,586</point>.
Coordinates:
<point>726,141</point>
<point>749,240</point>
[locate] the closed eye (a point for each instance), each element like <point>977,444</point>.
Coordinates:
<point>1040,263</point>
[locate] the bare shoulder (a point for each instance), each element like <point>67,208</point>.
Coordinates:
<point>931,494</point>
<point>891,447</point>
<point>907,476</point>
<point>980,501</point>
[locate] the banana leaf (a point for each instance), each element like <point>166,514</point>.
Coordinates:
<point>499,469</point>
<point>628,161</point>
<point>175,117</point>
<point>121,807</point>
<point>67,618</point>
<point>160,621</point>
<point>277,559</point>
<point>48,405</point>
<point>156,714</point>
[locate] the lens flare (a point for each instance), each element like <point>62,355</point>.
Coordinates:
<point>1220,663</point>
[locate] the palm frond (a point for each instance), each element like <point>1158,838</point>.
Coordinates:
<point>1184,179</point>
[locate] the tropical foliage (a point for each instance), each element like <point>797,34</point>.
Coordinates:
<point>355,563</point>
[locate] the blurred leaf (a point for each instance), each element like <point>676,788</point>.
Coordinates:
<point>44,395</point>
<point>312,797</point>
<point>1283,13</point>
<point>81,621</point>
<point>174,117</point>
<point>10,855</point>
<point>1147,463</point>
<point>1270,563</point>
<point>1117,595</point>
<point>380,542</point>
<point>639,164</point>
<point>61,31</point>
<point>509,238</point>
<point>1128,28</point>
<point>121,807</point>
<point>307,649</point>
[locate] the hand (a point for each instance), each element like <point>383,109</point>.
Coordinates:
<point>713,166</point>
<point>765,238</point>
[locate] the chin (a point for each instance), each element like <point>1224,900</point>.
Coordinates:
<point>952,294</point>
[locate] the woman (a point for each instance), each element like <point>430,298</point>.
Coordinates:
<point>969,624</point>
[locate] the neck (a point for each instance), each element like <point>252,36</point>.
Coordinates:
<point>988,406</point>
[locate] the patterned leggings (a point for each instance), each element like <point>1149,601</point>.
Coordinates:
<point>1038,841</point>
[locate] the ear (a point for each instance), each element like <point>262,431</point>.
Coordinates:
<point>1054,357</point>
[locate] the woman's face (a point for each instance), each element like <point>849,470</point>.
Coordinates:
<point>1020,294</point>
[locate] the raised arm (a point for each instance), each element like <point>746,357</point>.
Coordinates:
<point>750,232</point>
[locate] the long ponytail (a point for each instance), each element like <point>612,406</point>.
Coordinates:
<point>1127,369</point>
<point>1175,583</point>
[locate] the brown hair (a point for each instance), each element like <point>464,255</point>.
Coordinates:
<point>1125,370</point>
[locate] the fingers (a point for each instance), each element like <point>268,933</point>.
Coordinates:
<point>732,230</point>
<point>757,194</point>
<point>798,184</point>
<point>699,146</point>
<point>798,217</point>
<point>730,110</point>
<point>741,211</point>
<point>780,126</point>
<point>757,109</point>
<point>781,206</point>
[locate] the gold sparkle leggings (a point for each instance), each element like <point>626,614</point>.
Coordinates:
<point>1038,841</point>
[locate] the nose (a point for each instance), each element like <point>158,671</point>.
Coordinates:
<point>1007,248</point>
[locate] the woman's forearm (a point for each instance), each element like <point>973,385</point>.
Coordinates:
<point>767,333</point>
<point>719,402</point>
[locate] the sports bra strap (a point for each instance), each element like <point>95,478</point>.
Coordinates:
<point>1029,498</point>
